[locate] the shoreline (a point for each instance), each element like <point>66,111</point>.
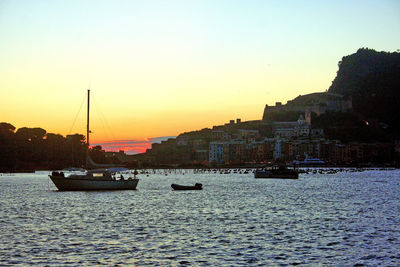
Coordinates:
<point>302,168</point>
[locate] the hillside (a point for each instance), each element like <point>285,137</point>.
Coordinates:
<point>368,80</point>
<point>372,79</point>
<point>361,106</point>
<point>313,98</point>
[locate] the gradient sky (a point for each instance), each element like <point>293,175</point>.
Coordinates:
<point>160,68</point>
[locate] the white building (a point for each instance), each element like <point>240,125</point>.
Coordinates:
<point>278,150</point>
<point>216,152</point>
<point>290,129</point>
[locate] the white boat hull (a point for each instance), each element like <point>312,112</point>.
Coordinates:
<point>76,184</point>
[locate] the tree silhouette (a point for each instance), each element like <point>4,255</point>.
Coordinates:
<point>7,147</point>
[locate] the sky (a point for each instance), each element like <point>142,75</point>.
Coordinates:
<point>160,68</point>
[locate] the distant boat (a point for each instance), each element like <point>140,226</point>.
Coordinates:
<point>309,162</point>
<point>73,169</point>
<point>277,172</point>
<point>92,180</point>
<point>197,186</point>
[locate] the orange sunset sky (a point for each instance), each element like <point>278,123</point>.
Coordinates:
<point>160,68</point>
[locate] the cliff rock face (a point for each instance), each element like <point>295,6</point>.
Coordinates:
<point>372,79</point>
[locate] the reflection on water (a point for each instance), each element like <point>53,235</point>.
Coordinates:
<point>341,219</point>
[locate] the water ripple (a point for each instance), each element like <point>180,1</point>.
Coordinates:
<point>347,219</point>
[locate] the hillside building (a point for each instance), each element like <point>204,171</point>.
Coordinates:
<point>318,103</point>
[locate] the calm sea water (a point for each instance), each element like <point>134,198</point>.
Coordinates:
<point>342,219</point>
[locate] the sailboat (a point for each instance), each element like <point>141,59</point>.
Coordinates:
<point>102,179</point>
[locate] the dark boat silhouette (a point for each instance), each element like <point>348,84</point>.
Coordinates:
<point>277,172</point>
<point>94,179</point>
<point>197,186</point>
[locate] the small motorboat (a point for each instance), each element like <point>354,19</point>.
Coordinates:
<point>197,186</point>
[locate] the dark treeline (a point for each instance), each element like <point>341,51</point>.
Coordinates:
<point>28,149</point>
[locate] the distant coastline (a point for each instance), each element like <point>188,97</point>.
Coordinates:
<point>354,123</point>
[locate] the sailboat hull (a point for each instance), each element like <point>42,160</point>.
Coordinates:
<point>76,184</point>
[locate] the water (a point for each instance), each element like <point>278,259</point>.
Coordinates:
<point>343,219</point>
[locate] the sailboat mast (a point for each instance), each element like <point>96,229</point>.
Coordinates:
<point>88,109</point>
<point>87,129</point>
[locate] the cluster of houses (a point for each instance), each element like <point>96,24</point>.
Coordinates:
<point>289,142</point>
<point>285,141</point>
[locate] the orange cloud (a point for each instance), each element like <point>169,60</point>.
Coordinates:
<point>130,146</point>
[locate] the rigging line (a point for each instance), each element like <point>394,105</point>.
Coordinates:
<point>98,117</point>
<point>107,125</point>
<point>77,114</point>
<point>103,120</point>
